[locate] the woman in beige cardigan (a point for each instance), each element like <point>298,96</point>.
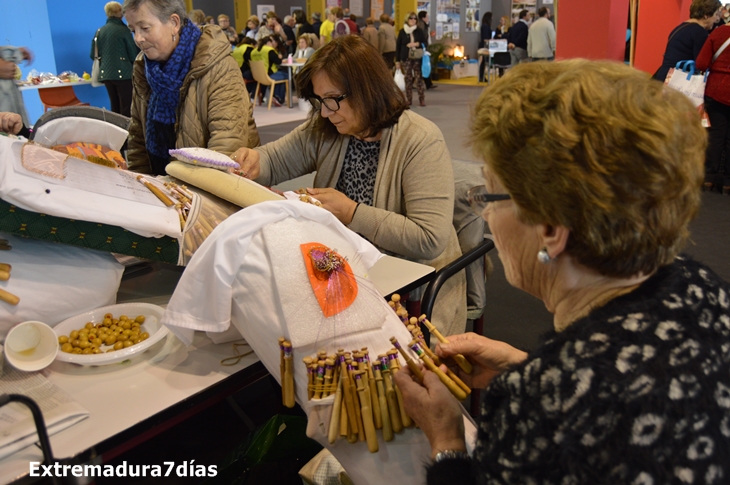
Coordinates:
<point>384,171</point>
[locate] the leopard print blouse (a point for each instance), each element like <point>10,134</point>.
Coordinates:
<point>357,178</point>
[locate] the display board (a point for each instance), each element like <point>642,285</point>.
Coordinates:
<point>518,6</point>
<point>472,16</point>
<point>448,17</point>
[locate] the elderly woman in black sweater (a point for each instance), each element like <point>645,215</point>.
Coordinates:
<point>589,213</point>
<point>687,39</point>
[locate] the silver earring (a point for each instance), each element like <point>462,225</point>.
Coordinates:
<point>543,256</point>
<point>173,37</point>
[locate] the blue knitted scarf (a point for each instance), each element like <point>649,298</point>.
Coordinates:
<point>165,80</point>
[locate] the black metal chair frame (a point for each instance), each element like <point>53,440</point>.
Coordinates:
<point>429,296</point>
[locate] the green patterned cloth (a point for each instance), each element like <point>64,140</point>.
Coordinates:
<point>92,235</point>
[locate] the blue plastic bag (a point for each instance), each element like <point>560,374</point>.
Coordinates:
<point>425,63</point>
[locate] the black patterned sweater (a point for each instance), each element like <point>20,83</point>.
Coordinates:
<point>637,392</point>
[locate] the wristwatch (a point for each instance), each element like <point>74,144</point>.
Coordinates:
<point>451,455</point>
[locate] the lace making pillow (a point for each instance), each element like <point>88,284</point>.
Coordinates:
<point>202,157</point>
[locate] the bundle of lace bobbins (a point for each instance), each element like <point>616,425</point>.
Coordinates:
<point>171,194</point>
<point>5,269</point>
<point>305,197</point>
<point>366,398</point>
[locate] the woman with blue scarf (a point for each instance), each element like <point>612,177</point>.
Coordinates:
<point>188,89</point>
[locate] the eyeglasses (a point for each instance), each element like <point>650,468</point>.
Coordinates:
<point>479,197</point>
<point>412,18</point>
<point>331,103</point>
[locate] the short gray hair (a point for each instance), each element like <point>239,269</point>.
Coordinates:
<point>162,9</point>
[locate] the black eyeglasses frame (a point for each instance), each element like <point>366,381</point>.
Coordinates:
<point>478,198</point>
<point>318,102</point>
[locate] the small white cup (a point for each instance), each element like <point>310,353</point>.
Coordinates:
<point>31,346</point>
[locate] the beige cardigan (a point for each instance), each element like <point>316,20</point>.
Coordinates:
<point>413,200</point>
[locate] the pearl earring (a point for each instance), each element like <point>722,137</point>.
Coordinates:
<point>543,256</point>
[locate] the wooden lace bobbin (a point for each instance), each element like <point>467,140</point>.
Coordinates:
<point>355,399</point>
<point>418,336</point>
<point>394,365</point>
<point>6,267</point>
<point>460,360</point>
<point>382,402</point>
<point>319,380</point>
<point>310,376</point>
<point>4,275</point>
<point>415,370</point>
<point>457,391</point>
<point>367,413</point>
<point>328,371</point>
<point>8,297</point>
<point>395,298</point>
<point>347,393</point>
<point>374,404</point>
<point>390,396</point>
<point>158,193</point>
<point>288,381</point>
<point>281,357</point>
<point>334,429</point>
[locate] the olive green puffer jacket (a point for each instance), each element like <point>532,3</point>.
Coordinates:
<point>117,51</point>
<point>214,110</point>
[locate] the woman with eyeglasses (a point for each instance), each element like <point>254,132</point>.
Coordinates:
<point>383,170</point>
<point>589,214</point>
<point>409,56</point>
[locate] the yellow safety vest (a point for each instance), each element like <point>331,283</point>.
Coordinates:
<point>239,52</point>
<point>263,55</point>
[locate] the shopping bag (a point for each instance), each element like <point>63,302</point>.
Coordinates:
<point>416,53</point>
<point>96,67</point>
<point>426,63</point>
<point>95,71</point>
<point>400,79</point>
<point>683,78</point>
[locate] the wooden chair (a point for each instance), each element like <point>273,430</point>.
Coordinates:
<point>58,97</point>
<point>258,70</point>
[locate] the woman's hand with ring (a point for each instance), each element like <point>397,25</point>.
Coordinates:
<point>248,161</point>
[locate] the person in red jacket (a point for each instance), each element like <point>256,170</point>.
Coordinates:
<point>717,106</point>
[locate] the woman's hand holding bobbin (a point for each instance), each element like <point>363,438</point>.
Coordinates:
<point>489,357</point>
<point>336,202</point>
<point>249,161</point>
<point>434,409</point>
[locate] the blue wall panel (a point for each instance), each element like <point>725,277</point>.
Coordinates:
<point>17,28</point>
<point>73,25</point>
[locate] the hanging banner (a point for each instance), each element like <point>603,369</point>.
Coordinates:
<point>376,9</point>
<point>262,9</point>
<point>356,7</point>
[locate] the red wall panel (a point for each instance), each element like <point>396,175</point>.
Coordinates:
<point>595,31</point>
<point>657,18</point>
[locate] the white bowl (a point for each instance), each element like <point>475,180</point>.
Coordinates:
<point>31,346</point>
<point>151,325</point>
